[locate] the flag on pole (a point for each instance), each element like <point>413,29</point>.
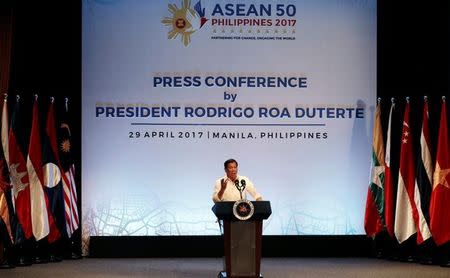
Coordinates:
<point>440,196</point>
<point>406,213</point>
<point>39,213</point>
<point>389,205</point>
<point>5,185</point>
<point>404,222</point>
<point>374,215</point>
<point>422,190</point>
<point>18,174</point>
<point>69,186</point>
<point>53,171</point>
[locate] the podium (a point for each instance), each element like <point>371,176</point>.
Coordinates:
<point>242,231</point>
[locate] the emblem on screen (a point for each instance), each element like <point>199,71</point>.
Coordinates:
<point>243,209</point>
<point>185,21</point>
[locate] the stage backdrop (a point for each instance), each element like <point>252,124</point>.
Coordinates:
<point>171,89</point>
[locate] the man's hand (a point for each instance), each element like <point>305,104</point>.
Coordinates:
<point>223,185</point>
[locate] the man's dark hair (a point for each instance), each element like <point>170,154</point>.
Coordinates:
<point>231,160</point>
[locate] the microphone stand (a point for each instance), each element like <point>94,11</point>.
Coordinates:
<point>240,187</point>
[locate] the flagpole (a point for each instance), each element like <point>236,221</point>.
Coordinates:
<point>6,239</point>
<point>73,239</point>
<point>24,237</point>
<point>388,186</point>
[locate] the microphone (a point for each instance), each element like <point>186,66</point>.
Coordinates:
<point>236,183</point>
<point>243,183</point>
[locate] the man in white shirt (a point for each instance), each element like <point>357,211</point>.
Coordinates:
<point>226,188</point>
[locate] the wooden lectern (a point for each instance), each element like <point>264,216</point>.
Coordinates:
<point>242,236</point>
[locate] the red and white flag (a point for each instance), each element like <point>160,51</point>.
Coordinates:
<point>5,185</point>
<point>424,174</point>
<point>69,186</point>
<point>41,217</point>
<point>406,211</point>
<point>440,196</point>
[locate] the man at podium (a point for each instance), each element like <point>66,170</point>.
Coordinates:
<point>242,223</point>
<point>233,187</point>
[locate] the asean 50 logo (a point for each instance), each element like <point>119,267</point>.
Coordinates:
<point>185,21</point>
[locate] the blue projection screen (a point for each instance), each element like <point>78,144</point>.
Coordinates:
<point>171,89</point>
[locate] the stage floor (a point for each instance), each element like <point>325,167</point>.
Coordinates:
<point>210,267</point>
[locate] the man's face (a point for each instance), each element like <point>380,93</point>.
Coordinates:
<point>231,171</point>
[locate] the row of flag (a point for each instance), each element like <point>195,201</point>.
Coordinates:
<point>38,197</point>
<point>419,204</point>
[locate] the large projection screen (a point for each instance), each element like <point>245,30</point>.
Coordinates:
<point>171,89</point>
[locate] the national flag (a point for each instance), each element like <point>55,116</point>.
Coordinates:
<point>406,213</point>
<point>389,205</point>
<point>39,214</point>
<point>19,175</point>
<point>422,190</point>
<point>53,171</point>
<point>374,215</point>
<point>5,185</point>
<point>69,186</point>
<point>440,196</point>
